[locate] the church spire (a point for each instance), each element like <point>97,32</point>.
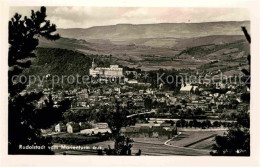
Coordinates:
<point>93,63</point>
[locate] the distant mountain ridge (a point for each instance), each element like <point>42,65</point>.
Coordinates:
<point>128,32</point>
<point>155,46</point>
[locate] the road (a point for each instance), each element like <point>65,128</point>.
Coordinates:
<point>143,113</point>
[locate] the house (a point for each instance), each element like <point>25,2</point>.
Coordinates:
<point>60,127</point>
<point>81,104</point>
<point>149,91</point>
<point>171,100</point>
<point>155,134</point>
<point>46,131</point>
<point>141,91</point>
<point>95,131</point>
<point>123,130</point>
<point>156,126</point>
<point>242,107</point>
<point>143,125</point>
<point>139,103</point>
<point>101,125</point>
<point>195,88</point>
<point>85,125</point>
<point>82,96</point>
<point>186,90</point>
<point>73,128</point>
<point>132,81</point>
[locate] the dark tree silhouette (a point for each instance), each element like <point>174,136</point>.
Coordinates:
<point>117,119</point>
<point>23,119</point>
<point>237,140</point>
<point>148,103</point>
<point>247,72</point>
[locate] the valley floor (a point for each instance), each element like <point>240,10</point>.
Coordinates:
<point>187,143</point>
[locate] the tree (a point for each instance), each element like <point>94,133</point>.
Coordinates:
<point>116,120</point>
<point>208,123</point>
<point>216,124</point>
<point>237,140</point>
<point>247,72</point>
<point>191,124</point>
<point>178,123</point>
<point>195,123</point>
<point>148,103</point>
<point>183,123</point>
<point>203,124</point>
<point>23,125</point>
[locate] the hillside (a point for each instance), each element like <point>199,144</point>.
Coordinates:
<point>128,32</point>
<point>135,51</point>
<point>181,43</point>
<point>60,62</point>
<point>155,46</point>
<point>203,51</point>
<point>193,55</point>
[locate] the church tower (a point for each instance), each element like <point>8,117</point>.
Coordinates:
<point>93,64</point>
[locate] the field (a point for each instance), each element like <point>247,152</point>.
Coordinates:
<point>152,54</point>
<point>191,143</point>
<point>191,138</point>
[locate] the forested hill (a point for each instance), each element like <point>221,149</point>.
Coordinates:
<point>61,62</point>
<point>174,30</point>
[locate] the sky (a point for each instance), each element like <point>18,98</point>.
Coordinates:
<point>85,17</point>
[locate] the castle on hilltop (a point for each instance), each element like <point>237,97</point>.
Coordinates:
<point>112,71</point>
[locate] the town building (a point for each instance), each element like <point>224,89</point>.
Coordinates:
<point>60,127</point>
<point>73,127</point>
<point>101,125</point>
<point>95,131</point>
<point>112,71</point>
<point>188,89</point>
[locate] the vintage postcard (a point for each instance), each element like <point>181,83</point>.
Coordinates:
<point>159,82</point>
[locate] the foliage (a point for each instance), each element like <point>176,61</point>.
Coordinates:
<point>237,141</point>
<point>23,120</point>
<point>62,61</point>
<point>148,103</point>
<point>123,148</point>
<point>78,115</point>
<point>116,119</point>
<point>207,49</point>
<point>168,78</point>
<point>79,139</point>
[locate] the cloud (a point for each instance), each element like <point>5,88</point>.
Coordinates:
<point>84,17</point>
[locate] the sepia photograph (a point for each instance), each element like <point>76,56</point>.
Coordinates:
<point>128,81</point>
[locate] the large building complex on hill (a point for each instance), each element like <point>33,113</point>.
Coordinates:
<point>112,71</point>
